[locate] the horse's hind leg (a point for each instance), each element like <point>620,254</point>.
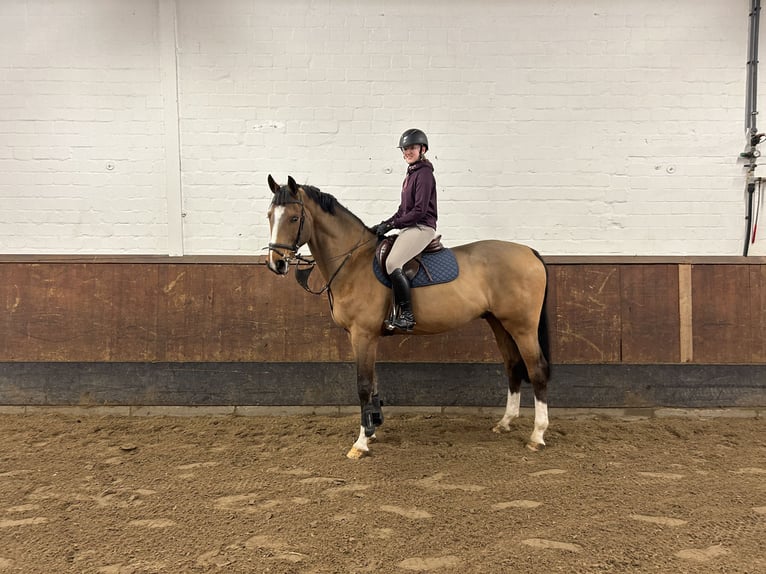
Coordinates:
<point>514,369</point>
<point>524,360</point>
<point>538,371</point>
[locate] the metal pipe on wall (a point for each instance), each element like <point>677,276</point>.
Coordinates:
<point>751,111</point>
<point>751,102</point>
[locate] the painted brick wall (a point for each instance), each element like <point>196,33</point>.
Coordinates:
<point>599,127</point>
<point>81,147</point>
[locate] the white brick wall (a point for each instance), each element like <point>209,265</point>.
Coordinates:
<point>81,155</point>
<point>600,127</point>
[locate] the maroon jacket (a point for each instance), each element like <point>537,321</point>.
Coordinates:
<point>418,203</point>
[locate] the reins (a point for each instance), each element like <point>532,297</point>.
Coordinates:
<point>302,275</point>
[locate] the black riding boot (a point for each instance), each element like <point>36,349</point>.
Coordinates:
<point>403,317</point>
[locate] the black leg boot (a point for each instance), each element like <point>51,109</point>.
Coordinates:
<point>403,319</point>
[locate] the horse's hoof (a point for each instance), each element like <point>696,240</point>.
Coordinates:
<point>500,429</point>
<point>356,453</point>
<point>535,446</point>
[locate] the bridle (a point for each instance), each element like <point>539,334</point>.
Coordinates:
<point>276,247</point>
<point>302,275</point>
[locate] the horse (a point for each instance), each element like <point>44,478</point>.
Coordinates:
<point>504,283</point>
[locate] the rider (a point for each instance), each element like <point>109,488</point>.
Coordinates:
<point>416,218</point>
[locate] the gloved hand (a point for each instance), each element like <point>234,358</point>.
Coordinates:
<point>383,227</point>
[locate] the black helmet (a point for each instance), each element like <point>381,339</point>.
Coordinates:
<point>413,137</point>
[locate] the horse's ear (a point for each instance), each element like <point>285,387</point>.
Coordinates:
<point>273,185</point>
<point>292,185</point>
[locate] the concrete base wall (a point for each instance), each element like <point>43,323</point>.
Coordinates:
<point>400,384</point>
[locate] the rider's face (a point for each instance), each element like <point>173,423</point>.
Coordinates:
<point>411,153</point>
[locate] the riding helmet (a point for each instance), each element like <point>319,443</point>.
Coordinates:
<point>413,137</point>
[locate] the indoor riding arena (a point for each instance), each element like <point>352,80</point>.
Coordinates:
<point>170,404</point>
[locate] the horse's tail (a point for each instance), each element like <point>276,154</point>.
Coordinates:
<point>542,325</point>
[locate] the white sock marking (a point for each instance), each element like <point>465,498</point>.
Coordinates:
<point>511,410</point>
<point>361,442</point>
<point>541,422</point>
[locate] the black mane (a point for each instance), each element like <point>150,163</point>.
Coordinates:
<point>325,201</point>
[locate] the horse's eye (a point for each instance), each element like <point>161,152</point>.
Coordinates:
<point>294,219</point>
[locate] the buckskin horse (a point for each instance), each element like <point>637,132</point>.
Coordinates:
<point>501,282</point>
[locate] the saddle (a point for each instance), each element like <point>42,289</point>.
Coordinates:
<point>412,267</point>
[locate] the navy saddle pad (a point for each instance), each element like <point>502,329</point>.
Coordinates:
<point>441,266</point>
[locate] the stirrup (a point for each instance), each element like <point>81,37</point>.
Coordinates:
<point>404,321</point>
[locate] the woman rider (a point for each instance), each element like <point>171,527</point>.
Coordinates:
<point>416,218</point>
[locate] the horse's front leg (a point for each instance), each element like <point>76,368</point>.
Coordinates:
<point>365,349</point>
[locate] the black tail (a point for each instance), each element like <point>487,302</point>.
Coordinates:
<point>542,326</point>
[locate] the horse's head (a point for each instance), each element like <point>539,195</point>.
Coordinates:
<point>289,224</point>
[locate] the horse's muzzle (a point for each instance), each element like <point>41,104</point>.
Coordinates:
<point>280,266</point>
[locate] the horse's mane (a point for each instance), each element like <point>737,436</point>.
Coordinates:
<point>328,203</point>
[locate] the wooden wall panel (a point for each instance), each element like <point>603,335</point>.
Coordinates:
<point>472,343</point>
<point>649,314</point>
<point>193,310</point>
<point>585,313</point>
<point>757,339</point>
<point>226,313</point>
<point>64,312</point>
<point>243,313</point>
<point>722,314</point>
<point>165,312</point>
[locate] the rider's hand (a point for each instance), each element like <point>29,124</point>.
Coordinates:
<point>383,227</point>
